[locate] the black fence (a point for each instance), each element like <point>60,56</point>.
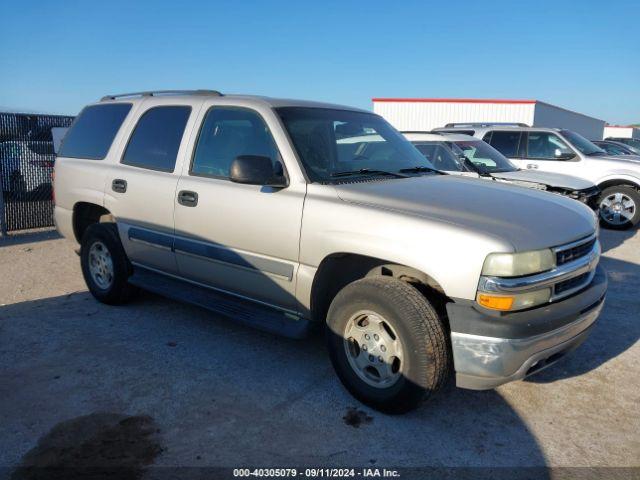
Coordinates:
<point>27,155</point>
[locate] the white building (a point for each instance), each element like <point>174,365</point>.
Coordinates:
<point>617,131</point>
<point>430,113</point>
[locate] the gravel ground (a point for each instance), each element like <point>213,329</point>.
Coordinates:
<point>189,389</point>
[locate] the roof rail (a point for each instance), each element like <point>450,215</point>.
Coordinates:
<point>420,131</point>
<point>154,93</point>
<point>486,124</point>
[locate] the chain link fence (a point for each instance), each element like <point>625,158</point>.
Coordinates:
<point>28,143</point>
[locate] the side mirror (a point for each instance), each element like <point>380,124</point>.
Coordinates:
<point>560,155</point>
<point>256,170</point>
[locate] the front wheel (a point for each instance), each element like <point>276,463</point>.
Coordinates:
<point>387,344</point>
<point>619,207</point>
<point>105,266</point>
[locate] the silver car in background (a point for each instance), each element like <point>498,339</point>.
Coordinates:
<point>465,155</point>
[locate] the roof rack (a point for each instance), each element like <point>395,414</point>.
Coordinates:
<point>486,124</point>
<point>154,93</point>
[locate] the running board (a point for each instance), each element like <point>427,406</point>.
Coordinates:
<point>246,312</point>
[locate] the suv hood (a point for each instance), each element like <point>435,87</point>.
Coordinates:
<point>557,180</point>
<point>526,218</point>
<point>623,158</point>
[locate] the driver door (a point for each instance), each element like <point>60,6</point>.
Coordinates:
<point>546,151</point>
<point>242,239</point>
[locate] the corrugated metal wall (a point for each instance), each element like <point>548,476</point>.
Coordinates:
<point>621,132</point>
<point>551,116</point>
<point>429,115</point>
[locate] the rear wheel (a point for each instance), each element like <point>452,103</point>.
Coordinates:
<point>619,207</point>
<point>387,344</point>
<point>105,266</point>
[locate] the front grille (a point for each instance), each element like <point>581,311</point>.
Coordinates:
<point>573,253</point>
<point>574,282</point>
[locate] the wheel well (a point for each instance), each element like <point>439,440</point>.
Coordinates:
<point>338,270</point>
<point>86,214</point>
<point>613,183</point>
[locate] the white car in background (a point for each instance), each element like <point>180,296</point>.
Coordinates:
<point>465,155</point>
<point>25,167</point>
<point>563,151</point>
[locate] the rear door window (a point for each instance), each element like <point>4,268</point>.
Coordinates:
<point>93,131</point>
<point>507,143</point>
<point>156,139</point>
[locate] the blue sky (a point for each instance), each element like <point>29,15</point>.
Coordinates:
<point>582,55</point>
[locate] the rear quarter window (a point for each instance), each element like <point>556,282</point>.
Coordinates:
<point>93,131</point>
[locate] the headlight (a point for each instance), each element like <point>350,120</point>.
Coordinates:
<point>518,264</point>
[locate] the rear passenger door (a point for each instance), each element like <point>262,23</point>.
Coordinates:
<point>242,239</point>
<point>140,189</point>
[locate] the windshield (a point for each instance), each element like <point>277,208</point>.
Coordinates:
<point>440,156</point>
<point>332,142</point>
<point>632,143</point>
<point>612,148</point>
<point>486,158</point>
<point>582,144</point>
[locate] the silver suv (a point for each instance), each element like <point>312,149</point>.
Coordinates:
<point>563,151</point>
<point>282,214</point>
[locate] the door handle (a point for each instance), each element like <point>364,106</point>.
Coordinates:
<point>119,185</point>
<point>187,198</point>
<point>532,166</point>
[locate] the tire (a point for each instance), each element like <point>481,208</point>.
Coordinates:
<point>424,350</point>
<point>101,240</point>
<point>619,207</point>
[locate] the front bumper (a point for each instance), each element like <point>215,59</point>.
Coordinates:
<point>490,349</point>
<point>589,197</point>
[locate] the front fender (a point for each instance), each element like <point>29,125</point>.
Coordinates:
<point>624,176</point>
<point>449,254</point>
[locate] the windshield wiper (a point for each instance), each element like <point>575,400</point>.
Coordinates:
<point>367,171</point>
<point>473,167</point>
<point>422,168</point>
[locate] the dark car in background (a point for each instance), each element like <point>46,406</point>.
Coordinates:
<point>615,148</point>
<point>632,143</point>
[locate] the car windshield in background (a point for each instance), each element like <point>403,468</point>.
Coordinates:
<point>440,156</point>
<point>613,149</point>
<point>582,144</point>
<point>336,144</point>
<point>632,143</point>
<point>486,158</point>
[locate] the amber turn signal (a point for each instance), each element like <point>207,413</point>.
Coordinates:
<point>495,302</point>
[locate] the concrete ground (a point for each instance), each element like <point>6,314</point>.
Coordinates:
<point>188,389</point>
